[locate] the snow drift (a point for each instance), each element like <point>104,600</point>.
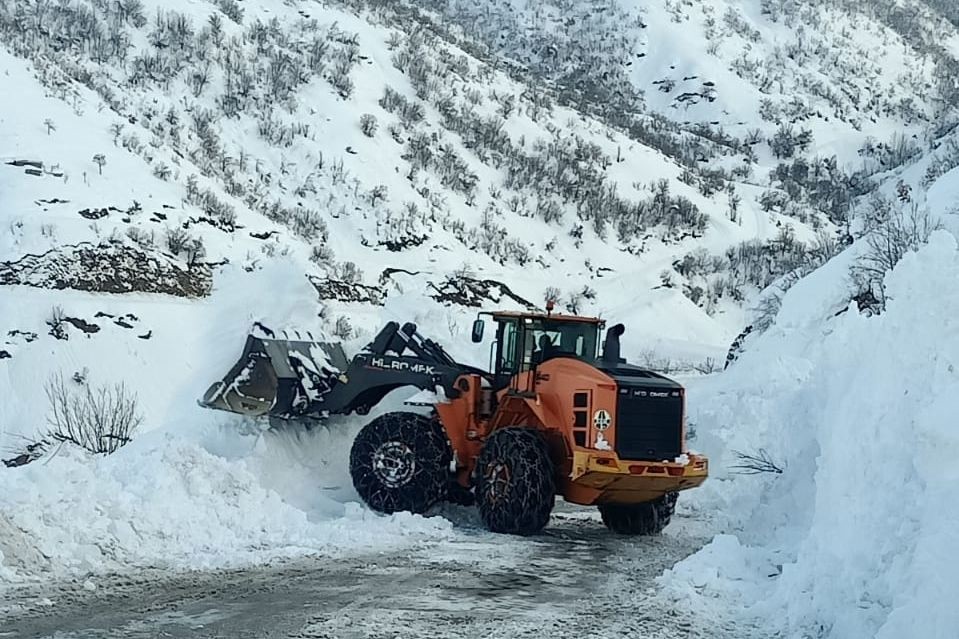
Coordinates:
<point>195,488</point>
<point>854,539</point>
<point>166,501</point>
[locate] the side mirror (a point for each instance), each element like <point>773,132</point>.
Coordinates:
<point>478,327</point>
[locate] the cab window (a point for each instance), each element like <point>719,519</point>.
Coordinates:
<point>508,343</point>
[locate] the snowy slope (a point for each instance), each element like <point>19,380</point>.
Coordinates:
<point>239,170</point>
<point>853,539</point>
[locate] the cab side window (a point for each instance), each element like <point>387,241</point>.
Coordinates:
<point>508,341</point>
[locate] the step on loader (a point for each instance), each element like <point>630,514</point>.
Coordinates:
<point>553,416</point>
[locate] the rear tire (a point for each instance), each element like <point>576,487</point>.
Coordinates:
<point>647,518</point>
<point>401,461</point>
<point>515,489</point>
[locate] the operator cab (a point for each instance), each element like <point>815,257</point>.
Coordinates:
<point>525,340</point>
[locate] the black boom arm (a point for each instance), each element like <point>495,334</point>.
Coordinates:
<point>397,356</point>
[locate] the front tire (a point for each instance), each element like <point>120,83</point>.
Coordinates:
<point>647,518</point>
<point>515,488</point>
<point>400,461</point>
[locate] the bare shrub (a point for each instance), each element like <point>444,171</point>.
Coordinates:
<point>163,171</point>
<point>321,254</point>
<point>99,420</point>
<point>368,124</point>
<point>755,463</point>
<point>552,295</point>
<point>888,243</point>
<point>177,240</point>
<point>141,237</point>
<point>348,272</point>
<point>57,323</point>
<point>707,367</point>
<point>343,329</point>
<point>231,9</point>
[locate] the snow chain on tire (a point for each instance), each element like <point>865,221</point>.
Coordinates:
<point>647,518</point>
<point>515,488</point>
<point>400,461</point>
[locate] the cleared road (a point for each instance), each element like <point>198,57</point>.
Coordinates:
<point>575,580</point>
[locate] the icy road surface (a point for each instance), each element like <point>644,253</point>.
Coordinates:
<point>575,580</point>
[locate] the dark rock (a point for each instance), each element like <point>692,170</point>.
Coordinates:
<point>34,163</point>
<point>108,268</point>
<point>94,214</point>
<point>475,293</point>
<point>82,325</point>
<point>387,274</point>
<point>401,244</point>
<point>330,289</point>
<point>32,452</point>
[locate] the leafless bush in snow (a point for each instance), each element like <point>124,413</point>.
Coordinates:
<point>343,329</point>
<point>368,124</point>
<point>57,323</point>
<point>888,243</point>
<point>755,463</point>
<point>99,420</point>
<point>231,9</point>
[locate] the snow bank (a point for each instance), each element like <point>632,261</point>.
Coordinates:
<point>166,501</point>
<point>196,488</point>
<point>856,538</point>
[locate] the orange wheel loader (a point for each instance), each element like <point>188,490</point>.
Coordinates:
<point>553,416</point>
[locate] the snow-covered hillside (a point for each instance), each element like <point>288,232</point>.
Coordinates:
<point>852,539</point>
<point>172,172</point>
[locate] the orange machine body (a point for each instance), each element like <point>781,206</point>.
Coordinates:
<point>575,406</point>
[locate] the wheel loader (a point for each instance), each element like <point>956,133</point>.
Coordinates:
<point>553,416</point>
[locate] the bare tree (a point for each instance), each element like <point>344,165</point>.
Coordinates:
<point>51,126</point>
<point>116,129</point>
<point>99,159</point>
<point>99,420</point>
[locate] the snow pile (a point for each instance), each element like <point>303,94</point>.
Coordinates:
<point>854,539</point>
<point>165,501</point>
<point>196,488</point>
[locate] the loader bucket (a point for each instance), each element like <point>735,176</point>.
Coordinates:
<point>278,377</point>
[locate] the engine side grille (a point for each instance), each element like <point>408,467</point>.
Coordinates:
<point>649,425</point>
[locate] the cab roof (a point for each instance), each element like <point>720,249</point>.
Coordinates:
<point>556,317</point>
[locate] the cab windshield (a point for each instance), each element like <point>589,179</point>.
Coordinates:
<point>531,341</point>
